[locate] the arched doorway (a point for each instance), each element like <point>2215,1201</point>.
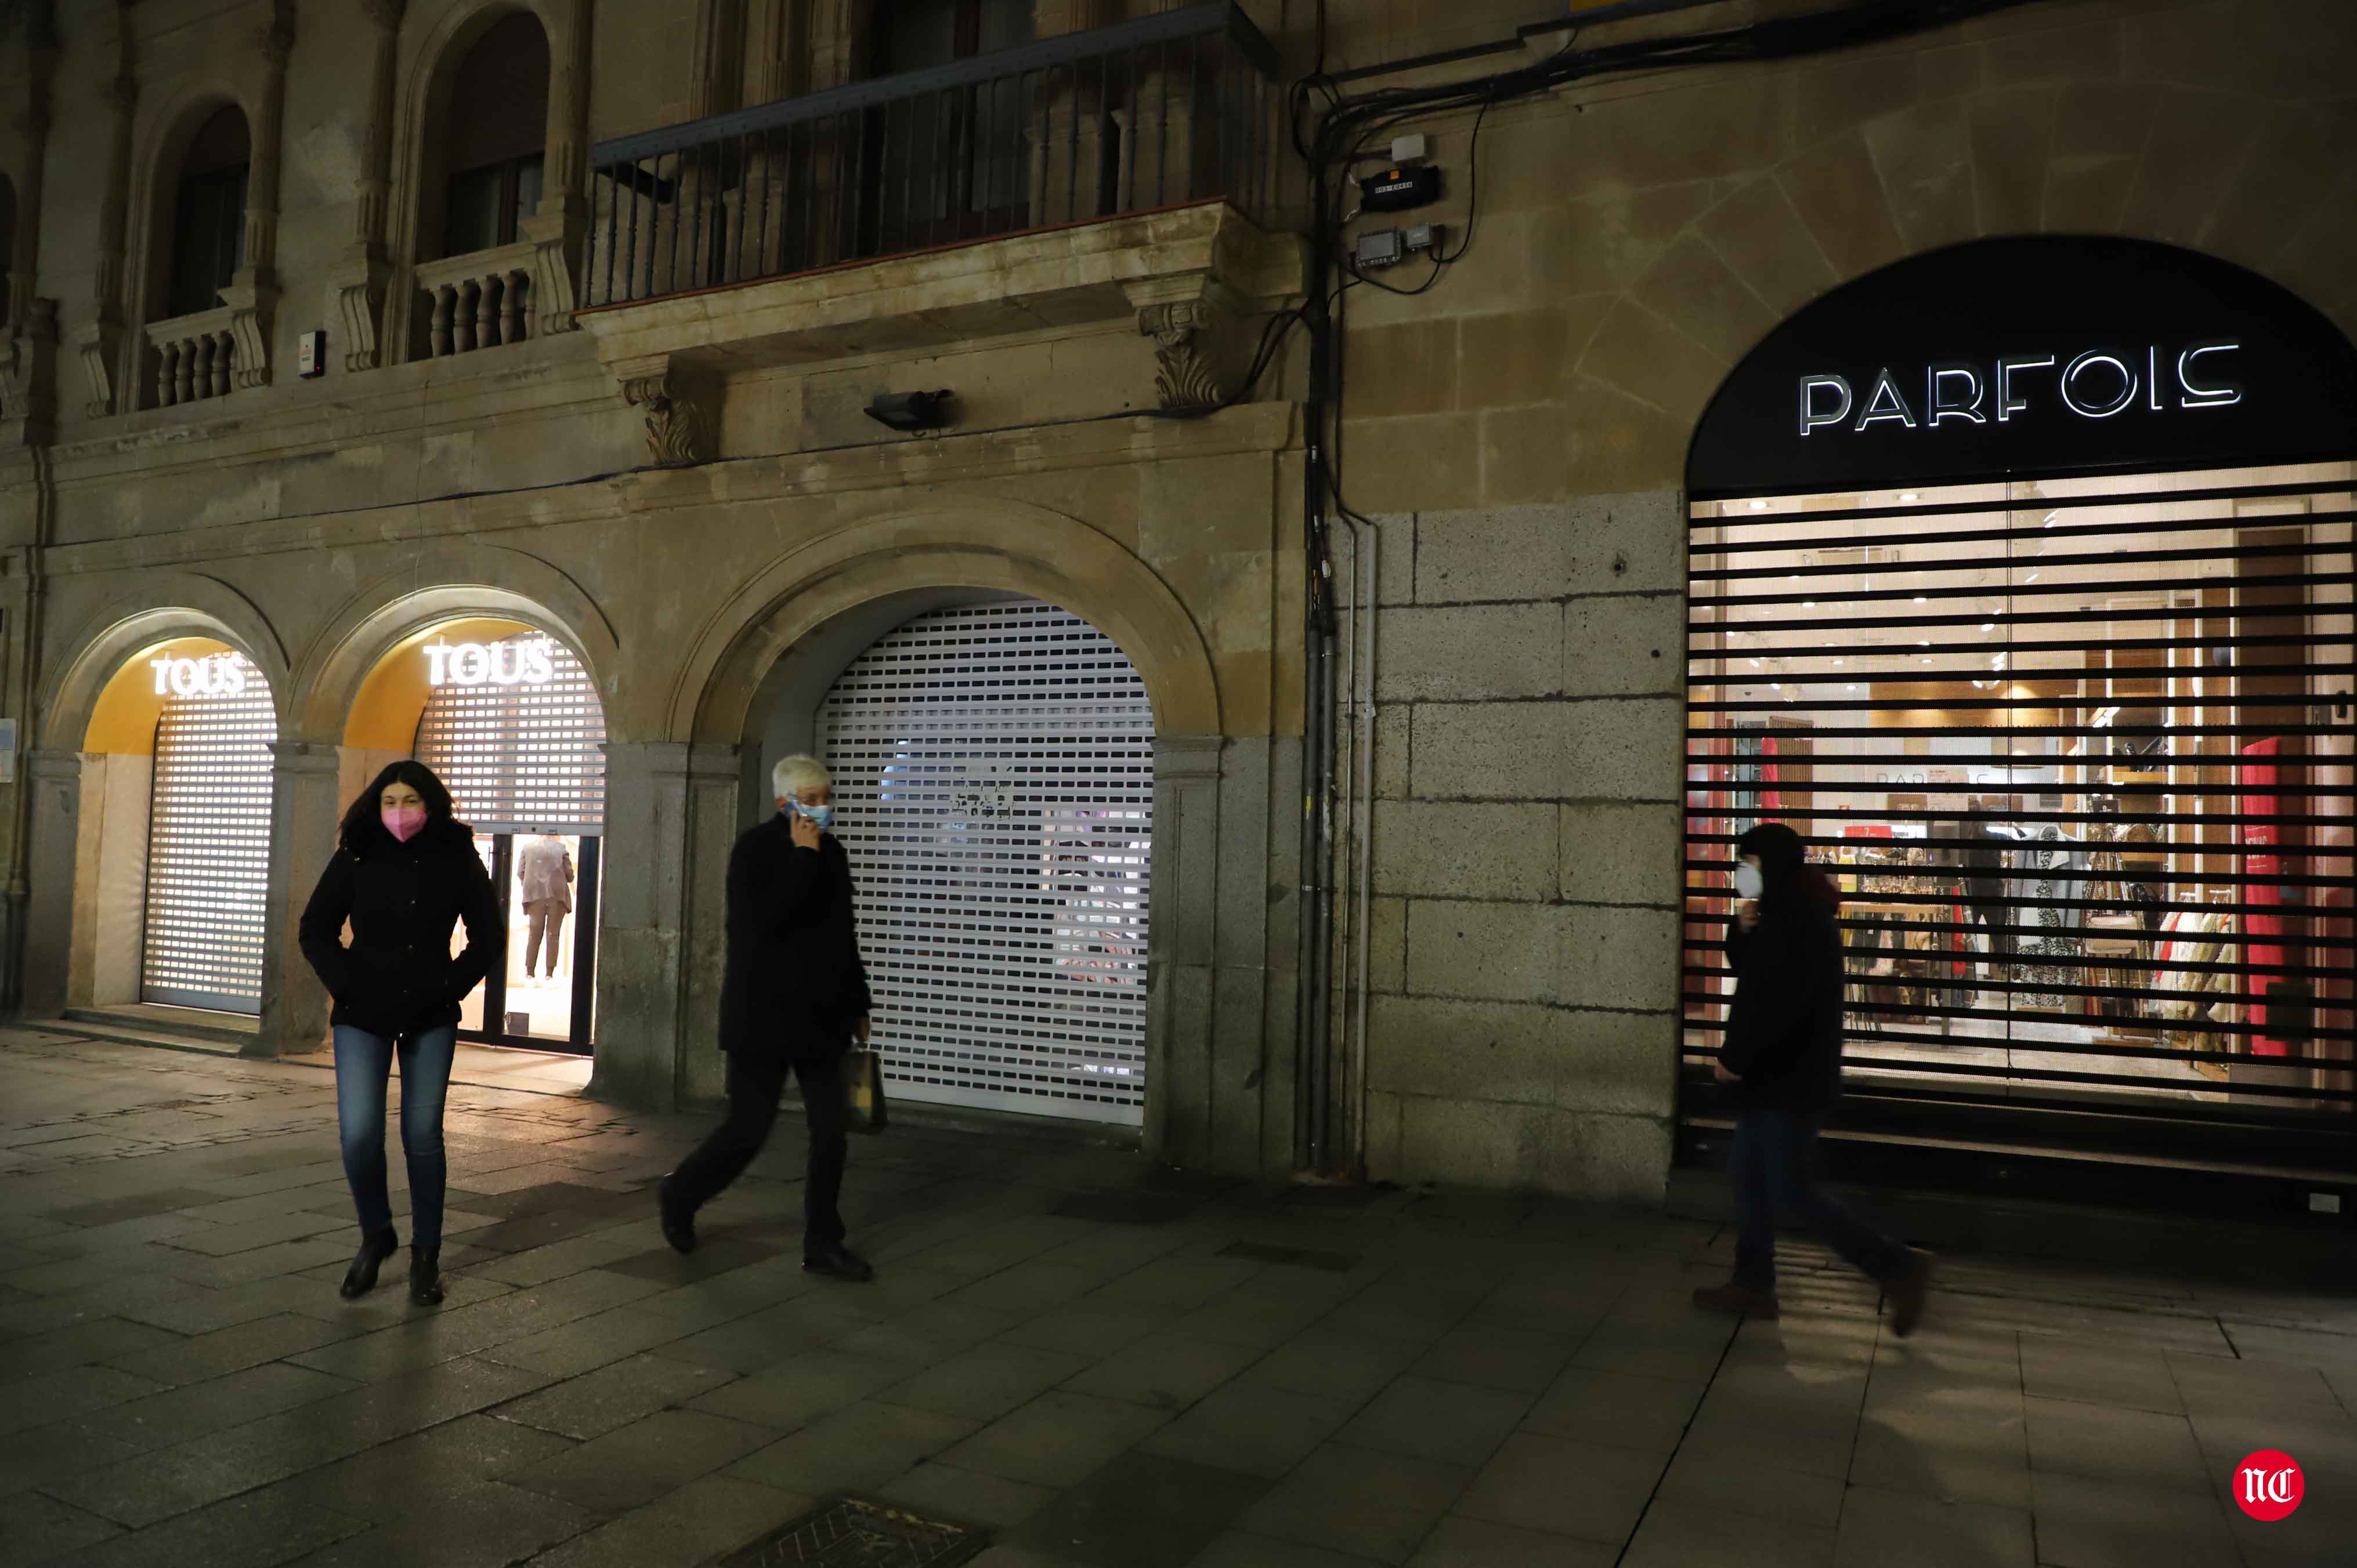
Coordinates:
<point>2020,585</point>
<point>507,714</point>
<point>178,770</point>
<point>994,764</point>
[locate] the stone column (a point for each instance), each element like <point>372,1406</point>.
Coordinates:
<point>361,283</point>
<point>671,813</point>
<point>1181,949</point>
<point>560,228</point>
<point>100,342</point>
<point>60,821</point>
<point>304,811</point>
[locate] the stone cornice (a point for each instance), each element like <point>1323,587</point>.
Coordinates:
<point>1266,428</point>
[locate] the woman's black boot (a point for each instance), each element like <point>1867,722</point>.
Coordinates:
<point>375,1248</point>
<point>426,1276</point>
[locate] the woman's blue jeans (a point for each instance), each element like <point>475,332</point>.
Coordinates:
<point>363,1070</point>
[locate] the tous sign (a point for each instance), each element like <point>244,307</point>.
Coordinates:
<point>2095,384</point>
<point>215,675</point>
<point>491,664</point>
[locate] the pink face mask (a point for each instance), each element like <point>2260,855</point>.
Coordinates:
<point>403,822</point>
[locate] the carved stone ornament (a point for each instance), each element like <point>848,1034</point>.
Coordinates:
<point>1187,379</point>
<point>678,431</point>
<point>359,299</point>
<point>97,342</point>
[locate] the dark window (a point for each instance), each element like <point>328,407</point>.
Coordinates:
<point>209,215</point>
<point>498,118</point>
<point>946,165</point>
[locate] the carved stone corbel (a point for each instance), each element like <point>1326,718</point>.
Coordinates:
<point>28,376</point>
<point>555,241</point>
<point>359,299</point>
<point>1189,377</point>
<point>252,309</point>
<point>98,343</point>
<point>682,413</point>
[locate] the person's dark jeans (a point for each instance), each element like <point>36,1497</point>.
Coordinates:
<point>1774,1165</point>
<point>363,1068</point>
<point>754,1086</point>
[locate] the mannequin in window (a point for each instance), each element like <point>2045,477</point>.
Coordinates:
<point>544,867</point>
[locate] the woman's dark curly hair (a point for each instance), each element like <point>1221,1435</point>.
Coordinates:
<point>363,826</point>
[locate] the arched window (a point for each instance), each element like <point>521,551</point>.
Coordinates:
<point>498,119</point>
<point>7,240</point>
<point>209,214</point>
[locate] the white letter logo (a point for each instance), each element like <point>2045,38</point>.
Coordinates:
<point>1811,415</point>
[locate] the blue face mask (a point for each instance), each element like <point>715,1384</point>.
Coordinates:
<point>822,817</point>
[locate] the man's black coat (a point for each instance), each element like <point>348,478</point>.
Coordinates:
<point>794,985</point>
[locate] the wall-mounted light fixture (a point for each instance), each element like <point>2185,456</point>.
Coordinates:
<point>911,410</point>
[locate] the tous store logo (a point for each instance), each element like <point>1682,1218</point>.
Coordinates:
<point>528,663</point>
<point>2095,384</point>
<point>214,675</point>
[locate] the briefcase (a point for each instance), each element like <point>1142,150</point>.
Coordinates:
<point>863,1089</point>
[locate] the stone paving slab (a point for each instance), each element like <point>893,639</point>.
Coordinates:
<point>1106,1364</point>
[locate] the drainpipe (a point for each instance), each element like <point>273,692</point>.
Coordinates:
<point>27,692</point>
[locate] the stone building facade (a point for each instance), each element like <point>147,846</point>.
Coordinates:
<point>681,486</point>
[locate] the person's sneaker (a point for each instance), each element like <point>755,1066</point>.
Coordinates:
<point>1907,1293</point>
<point>1737,1299</point>
<point>678,1220</point>
<point>839,1262</point>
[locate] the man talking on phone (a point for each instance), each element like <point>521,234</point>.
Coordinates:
<point>793,997</point>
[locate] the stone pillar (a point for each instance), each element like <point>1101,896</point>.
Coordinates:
<point>560,230</point>
<point>670,811</point>
<point>1181,949</point>
<point>304,811</point>
<point>277,44</point>
<point>100,342</point>
<point>361,283</point>
<point>51,918</point>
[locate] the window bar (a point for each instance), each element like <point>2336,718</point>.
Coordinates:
<point>1132,79</point>
<point>1162,134</point>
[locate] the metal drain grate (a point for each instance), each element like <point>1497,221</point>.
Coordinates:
<point>849,1530</point>
<point>1292,1257</point>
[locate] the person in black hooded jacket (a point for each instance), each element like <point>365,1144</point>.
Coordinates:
<point>405,876</point>
<point>1781,1058</point>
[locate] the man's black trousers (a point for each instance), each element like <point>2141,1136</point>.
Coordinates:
<point>754,1086</point>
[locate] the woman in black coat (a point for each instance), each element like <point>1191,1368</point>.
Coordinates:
<point>405,876</point>
<point>1781,1058</point>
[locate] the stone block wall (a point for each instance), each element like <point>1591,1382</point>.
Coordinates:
<point>1525,925</point>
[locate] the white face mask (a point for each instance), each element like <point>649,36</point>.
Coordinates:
<point>1747,882</point>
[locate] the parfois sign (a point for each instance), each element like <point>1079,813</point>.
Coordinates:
<point>2037,357</point>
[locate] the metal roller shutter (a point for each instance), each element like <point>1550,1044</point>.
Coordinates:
<point>2080,751</point>
<point>521,759</point>
<point>208,850</point>
<point>994,773</point>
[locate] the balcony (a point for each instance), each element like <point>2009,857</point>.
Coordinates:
<point>1085,179</point>
<point>1162,111</point>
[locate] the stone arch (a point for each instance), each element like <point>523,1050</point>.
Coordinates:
<point>443,581</point>
<point>436,40</point>
<point>158,147</point>
<point>1887,153</point>
<point>994,545</point>
<point>158,610</point>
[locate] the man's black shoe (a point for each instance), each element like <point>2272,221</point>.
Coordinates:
<point>839,1262</point>
<point>678,1220</point>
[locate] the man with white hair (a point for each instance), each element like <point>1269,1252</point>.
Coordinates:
<point>792,999</point>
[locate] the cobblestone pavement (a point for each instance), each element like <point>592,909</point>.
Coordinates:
<point>1104,1363</point>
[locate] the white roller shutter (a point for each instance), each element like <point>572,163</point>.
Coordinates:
<point>521,759</point>
<point>209,849</point>
<point>994,775</point>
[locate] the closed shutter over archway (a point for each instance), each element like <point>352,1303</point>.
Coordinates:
<point>993,772</point>
<point>522,756</point>
<point>209,848</point>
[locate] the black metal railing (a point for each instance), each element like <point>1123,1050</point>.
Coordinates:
<point>1160,112</point>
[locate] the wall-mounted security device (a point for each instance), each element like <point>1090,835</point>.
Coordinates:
<point>1410,148</point>
<point>911,411</point>
<point>1399,187</point>
<point>311,353</point>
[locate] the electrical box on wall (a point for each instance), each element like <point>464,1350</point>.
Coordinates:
<point>1398,188</point>
<point>311,353</point>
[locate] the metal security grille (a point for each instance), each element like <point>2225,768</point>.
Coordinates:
<point>521,757</point>
<point>209,848</point>
<point>2079,754</point>
<point>994,777</point>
